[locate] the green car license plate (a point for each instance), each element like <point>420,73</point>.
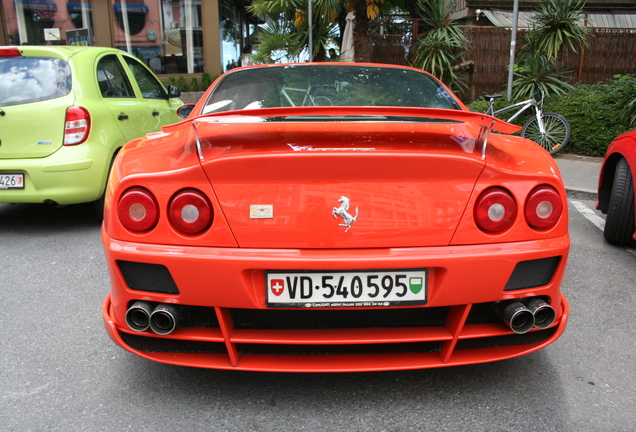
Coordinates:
<point>11,181</point>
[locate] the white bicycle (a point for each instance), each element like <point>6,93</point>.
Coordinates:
<point>315,95</point>
<point>551,131</point>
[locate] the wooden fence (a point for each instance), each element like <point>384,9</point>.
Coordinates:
<point>611,52</point>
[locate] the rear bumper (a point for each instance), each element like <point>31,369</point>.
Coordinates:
<point>225,323</point>
<point>71,175</point>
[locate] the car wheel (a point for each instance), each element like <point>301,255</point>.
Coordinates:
<point>619,225</point>
<point>99,204</point>
<point>99,207</point>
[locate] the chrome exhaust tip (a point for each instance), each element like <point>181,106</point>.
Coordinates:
<point>164,318</point>
<point>138,316</point>
<point>544,314</point>
<point>516,316</point>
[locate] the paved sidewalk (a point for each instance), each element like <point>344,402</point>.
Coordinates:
<point>580,174</point>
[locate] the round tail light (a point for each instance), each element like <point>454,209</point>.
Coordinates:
<point>495,210</point>
<point>190,211</point>
<point>138,210</point>
<point>544,208</point>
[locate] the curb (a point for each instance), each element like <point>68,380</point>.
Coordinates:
<point>583,194</point>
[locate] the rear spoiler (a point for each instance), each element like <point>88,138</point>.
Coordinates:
<point>486,122</point>
<point>339,111</point>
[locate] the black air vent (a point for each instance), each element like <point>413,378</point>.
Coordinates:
<point>148,277</point>
<point>533,273</point>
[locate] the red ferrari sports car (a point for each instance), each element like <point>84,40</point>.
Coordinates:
<point>616,190</point>
<point>334,217</point>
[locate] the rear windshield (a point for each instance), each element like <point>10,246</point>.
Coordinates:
<point>328,85</point>
<point>33,79</point>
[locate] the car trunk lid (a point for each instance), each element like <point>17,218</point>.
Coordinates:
<point>34,130</point>
<point>341,184</point>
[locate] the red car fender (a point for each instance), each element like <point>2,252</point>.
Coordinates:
<point>623,147</point>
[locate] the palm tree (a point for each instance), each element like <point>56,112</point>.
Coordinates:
<point>288,27</point>
<point>439,50</point>
<point>327,14</point>
<point>538,70</point>
<point>557,25</point>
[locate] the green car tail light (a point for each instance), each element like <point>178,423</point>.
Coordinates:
<point>77,125</point>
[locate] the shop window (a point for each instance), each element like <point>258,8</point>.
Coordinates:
<point>44,22</point>
<point>134,12</point>
<point>81,14</point>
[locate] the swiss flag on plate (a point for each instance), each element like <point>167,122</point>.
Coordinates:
<point>277,286</point>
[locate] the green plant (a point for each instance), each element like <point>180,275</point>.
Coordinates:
<point>171,81</point>
<point>278,40</point>
<point>555,27</point>
<point>594,115</point>
<point>479,105</point>
<point>442,46</point>
<point>205,81</point>
<point>558,25</point>
<point>181,83</point>
<point>287,32</point>
<point>628,98</point>
<point>538,70</point>
<point>194,84</point>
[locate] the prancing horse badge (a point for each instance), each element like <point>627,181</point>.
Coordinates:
<point>342,212</point>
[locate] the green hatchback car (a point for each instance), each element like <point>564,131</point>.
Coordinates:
<point>64,114</point>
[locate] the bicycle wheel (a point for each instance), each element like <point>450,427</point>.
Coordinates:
<point>556,135</point>
<point>322,101</point>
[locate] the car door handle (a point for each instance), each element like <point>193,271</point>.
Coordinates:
<point>155,113</point>
<point>122,117</point>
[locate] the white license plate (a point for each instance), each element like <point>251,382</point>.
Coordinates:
<point>356,288</point>
<point>11,181</point>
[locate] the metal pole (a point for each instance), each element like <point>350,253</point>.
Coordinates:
<point>22,30</point>
<point>311,36</point>
<point>189,12</point>
<point>513,44</point>
<point>124,16</point>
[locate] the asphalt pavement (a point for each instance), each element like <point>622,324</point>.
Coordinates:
<point>580,174</point>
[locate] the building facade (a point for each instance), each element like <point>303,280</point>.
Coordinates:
<point>171,36</point>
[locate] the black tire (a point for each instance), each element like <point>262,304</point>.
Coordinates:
<point>99,203</point>
<point>620,223</point>
<point>99,206</point>
<point>556,136</point>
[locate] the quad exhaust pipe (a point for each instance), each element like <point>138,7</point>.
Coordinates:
<point>519,315</point>
<point>161,318</point>
<point>522,315</point>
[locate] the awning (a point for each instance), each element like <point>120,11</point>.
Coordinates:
<point>38,5</point>
<point>76,7</point>
<point>504,19</point>
<point>132,8</point>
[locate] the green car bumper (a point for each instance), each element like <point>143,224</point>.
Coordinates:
<point>71,175</point>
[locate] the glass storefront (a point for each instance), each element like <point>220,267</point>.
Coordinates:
<point>166,34</point>
<point>44,22</point>
<point>236,32</point>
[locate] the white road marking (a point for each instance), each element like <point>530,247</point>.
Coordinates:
<point>589,214</point>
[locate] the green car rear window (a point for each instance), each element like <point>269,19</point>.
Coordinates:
<point>33,79</point>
